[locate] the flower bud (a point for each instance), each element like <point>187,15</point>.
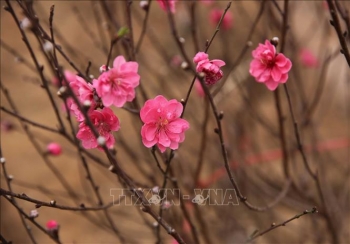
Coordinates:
<point>101,141</point>
<point>184,65</point>
<point>52,228</point>
<point>274,41</point>
<point>144,5</point>
<point>33,213</point>
<point>54,148</point>
<point>25,24</point>
<point>48,46</point>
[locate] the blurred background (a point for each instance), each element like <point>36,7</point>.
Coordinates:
<point>319,89</point>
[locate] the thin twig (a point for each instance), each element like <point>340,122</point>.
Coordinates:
<point>274,226</point>
<point>336,24</point>
<point>39,203</point>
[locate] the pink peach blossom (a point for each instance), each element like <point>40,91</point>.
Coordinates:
<point>163,5</point>
<point>268,67</point>
<point>163,126</point>
<point>211,68</point>
<point>105,121</point>
<point>215,16</point>
<point>82,89</point>
<point>117,85</point>
<point>308,59</point>
<point>84,92</point>
<point>54,148</point>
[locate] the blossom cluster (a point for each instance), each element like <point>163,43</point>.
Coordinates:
<point>115,86</point>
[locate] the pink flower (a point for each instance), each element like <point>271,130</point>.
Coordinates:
<point>163,125</point>
<point>51,225</point>
<point>268,67</point>
<point>117,85</point>
<point>163,5</point>
<point>105,122</point>
<point>54,148</point>
<point>211,68</point>
<point>308,59</point>
<point>82,89</point>
<point>215,16</point>
<point>84,92</point>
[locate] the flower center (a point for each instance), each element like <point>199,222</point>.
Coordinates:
<point>162,123</point>
<point>103,128</point>
<point>267,62</point>
<point>267,59</point>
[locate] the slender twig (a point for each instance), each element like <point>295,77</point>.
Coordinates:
<point>32,220</point>
<point>153,151</point>
<point>86,27</point>
<point>144,28</point>
<point>194,26</point>
<point>344,13</point>
<point>284,223</point>
<point>39,203</point>
<point>203,144</point>
<point>336,24</point>
<point>41,126</point>
<point>12,199</point>
<point>218,26</point>
<point>37,65</point>
<point>244,50</point>
<point>19,57</point>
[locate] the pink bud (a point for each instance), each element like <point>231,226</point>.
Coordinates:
<point>54,148</point>
<point>52,228</point>
<point>51,225</point>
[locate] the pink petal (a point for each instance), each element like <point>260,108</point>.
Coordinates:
<point>163,139</point>
<point>256,68</point>
<point>149,131</point>
<point>271,85</point>
<point>284,78</point>
<point>118,61</point>
<point>276,74</point>
<point>218,62</point>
